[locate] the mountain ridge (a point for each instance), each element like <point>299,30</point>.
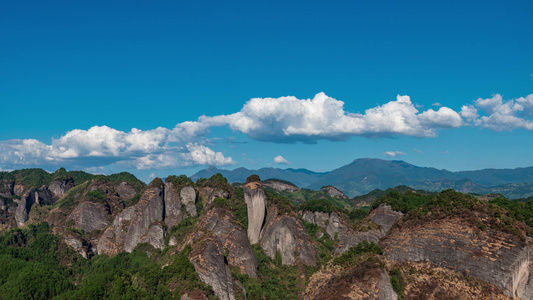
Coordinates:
<point>364,175</point>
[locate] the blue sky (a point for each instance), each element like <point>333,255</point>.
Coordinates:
<point>87,85</point>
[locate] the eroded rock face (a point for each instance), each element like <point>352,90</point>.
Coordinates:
<point>40,196</point>
<point>209,194</point>
<point>148,210</point>
<point>256,200</point>
<point>338,283</point>
<point>316,217</point>
<point>188,199</point>
<point>175,198</point>
<point>125,191</point>
<point>112,241</point>
<point>207,256</point>
<point>59,188</point>
<point>134,222</point>
<point>89,216</point>
<point>155,236</point>
<point>220,222</point>
<point>385,216</point>
<point>495,257</point>
<point>173,214</point>
<point>286,233</point>
<point>348,237</point>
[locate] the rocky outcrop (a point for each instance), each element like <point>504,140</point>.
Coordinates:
<point>220,222</point>
<point>209,194</point>
<point>59,188</point>
<point>188,199</point>
<point>335,282</point>
<point>207,256</point>
<point>134,222</point>
<point>280,186</point>
<point>173,213</point>
<point>286,234</point>
<point>495,257</point>
<point>256,201</point>
<point>155,236</point>
<point>40,196</point>
<point>7,188</point>
<point>177,197</point>
<point>385,216</point>
<point>333,192</point>
<point>349,237</point>
<point>125,191</point>
<point>90,216</point>
<point>316,217</point>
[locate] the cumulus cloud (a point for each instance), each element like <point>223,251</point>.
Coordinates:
<point>281,160</point>
<point>289,119</point>
<point>505,115</point>
<point>394,153</point>
<point>102,145</point>
<point>281,120</point>
<point>436,104</point>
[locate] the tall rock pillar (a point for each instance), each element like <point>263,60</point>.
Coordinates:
<point>256,202</point>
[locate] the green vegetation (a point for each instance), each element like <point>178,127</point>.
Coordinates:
<point>80,176</point>
<point>216,181</point>
<point>451,204</point>
<point>350,257</point>
<point>33,265</point>
<point>238,207</point>
<point>275,281</point>
<point>179,181</point>
<point>137,184</point>
<point>283,203</point>
<point>320,205</point>
<point>252,178</point>
<point>404,202</point>
<point>303,195</point>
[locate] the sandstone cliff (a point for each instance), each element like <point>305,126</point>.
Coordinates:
<point>134,222</point>
<point>256,203</point>
<point>285,233</point>
<point>207,256</point>
<point>495,257</point>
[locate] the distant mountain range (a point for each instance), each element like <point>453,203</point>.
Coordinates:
<point>365,175</point>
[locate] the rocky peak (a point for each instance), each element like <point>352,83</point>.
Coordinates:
<point>256,203</point>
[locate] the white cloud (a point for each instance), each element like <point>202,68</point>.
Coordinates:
<point>103,145</point>
<point>282,120</point>
<point>418,151</point>
<point>505,115</point>
<point>469,112</point>
<point>288,119</point>
<point>436,104</point>
<point>394,153</point>
<point>280,160</point>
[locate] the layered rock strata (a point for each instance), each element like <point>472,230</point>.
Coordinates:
<point>495,257</point>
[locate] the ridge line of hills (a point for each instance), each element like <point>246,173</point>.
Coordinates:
<point>365,175</point>
<point>72,235</point>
